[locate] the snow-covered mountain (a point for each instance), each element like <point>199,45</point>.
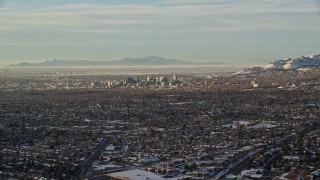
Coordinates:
<point>295,63</point>
<point>285,64</point>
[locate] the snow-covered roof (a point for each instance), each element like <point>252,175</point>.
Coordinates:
<point>137,174</point>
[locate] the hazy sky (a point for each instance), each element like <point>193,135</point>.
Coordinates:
<point>196,30</point>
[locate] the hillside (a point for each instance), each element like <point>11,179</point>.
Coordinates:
<point>285,64</point>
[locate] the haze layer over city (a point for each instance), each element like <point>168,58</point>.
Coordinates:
<point>166,89</point>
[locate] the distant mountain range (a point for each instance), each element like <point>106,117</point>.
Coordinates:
<point>143,61</point>
<point>285,64</point>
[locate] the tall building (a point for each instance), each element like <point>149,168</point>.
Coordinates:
<point>175,78</point>
<point>163,78</point>
<point>130,80</point>
<point>148,78</point>
<point>110,83</point>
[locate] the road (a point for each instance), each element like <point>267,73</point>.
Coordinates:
<point>236,165</point>
<point>287,139</point>
<point>90,160</point>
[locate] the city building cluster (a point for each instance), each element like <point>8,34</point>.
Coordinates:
<point>197,126</point>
